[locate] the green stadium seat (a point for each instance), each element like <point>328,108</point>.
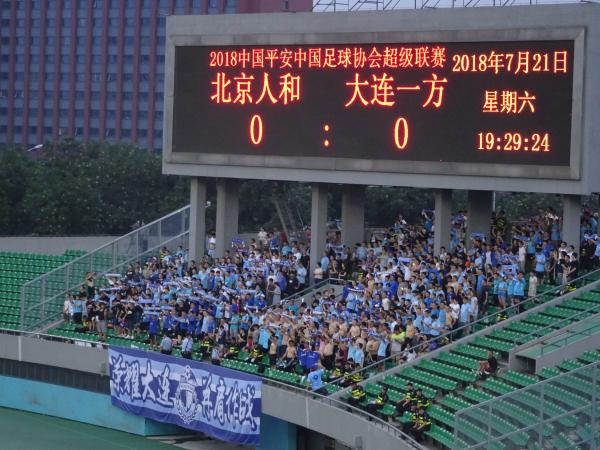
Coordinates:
<point>590,357</point>
<point>442,436</point>
<point>441,415</point>
<point>454,403</point>
<point>519,379</point>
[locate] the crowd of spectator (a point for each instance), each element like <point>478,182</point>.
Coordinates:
<point>395,294</point>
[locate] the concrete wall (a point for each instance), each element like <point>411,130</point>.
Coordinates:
<point>342,425</point>
<point>50,353</point>
<point>75,404</point>
<point>276,434</point>
<point>52,245</point>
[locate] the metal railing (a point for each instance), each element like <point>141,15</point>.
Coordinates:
<point>558,324</point>
<point>570,334</point>
<point>460,332</point>
<point>335,403</point>
<point>42,299</point>
<point>388,5</point>
<point>564,407</point>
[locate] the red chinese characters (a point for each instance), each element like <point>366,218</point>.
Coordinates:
<point>383,90</point>
<point>389,56</point>
<point>522,62</point>
<point>247,89</point>
<point>331,57</point>
<point>508,102</point>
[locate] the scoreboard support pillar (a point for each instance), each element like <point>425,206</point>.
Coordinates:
<point>442,220</point>
<point>571,220</point>
<point>318,225</point>
<point>479,214</point>
<point>353,214</point>
<point>197,243</point>
<point>227,214</point>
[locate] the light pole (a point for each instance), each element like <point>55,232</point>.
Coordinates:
<point>35,147</point>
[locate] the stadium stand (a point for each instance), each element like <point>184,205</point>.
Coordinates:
<point>443,374</point>
<point>18,268</point>
<point>450,381</point>
<point>182,293</point>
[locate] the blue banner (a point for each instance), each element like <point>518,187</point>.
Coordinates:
<point>220,402</point>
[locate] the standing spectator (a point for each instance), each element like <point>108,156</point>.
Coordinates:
<point>473,306</point>
<point>563,268</point>
<point>186,346</point>
<point>552,267</point>
<point>465,313</point>
<point>518,290</point>
<point>89,282</point>
<point>573,267</point>
<point>540,264</point>
<point>273,351</point>
<point>101,321</point>
<point>212,245</point>
<point>502,290</point>
<point>166,345</point>
<point>318,273</point>
<point>325,264</point>
<point>153,326</point>
<point>485,296</point>
<point>533,283</point>
<point>522,256</point>
<point>301,274</point>
<point>359,355</point>
<point>215,355</point>
<point>68,308</point>
<point>262,238</point>
<point>315,379</point>
<point>78,305</point>
<point>270,291</point>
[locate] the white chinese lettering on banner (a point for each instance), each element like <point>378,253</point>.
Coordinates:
<point>223,403</point>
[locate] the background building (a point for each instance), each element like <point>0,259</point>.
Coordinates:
<point>93,69</point>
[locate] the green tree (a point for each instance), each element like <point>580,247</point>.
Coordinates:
<point>14,173</point>
<point>98,189</point>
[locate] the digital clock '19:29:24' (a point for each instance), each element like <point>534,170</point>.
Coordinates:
<point>512,141</point>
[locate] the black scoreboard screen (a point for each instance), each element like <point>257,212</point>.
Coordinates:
<point>506,102</point>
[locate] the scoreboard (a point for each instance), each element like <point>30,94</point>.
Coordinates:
<point>462,102</point>
<point>501,99</point>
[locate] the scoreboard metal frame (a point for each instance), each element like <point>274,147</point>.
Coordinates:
<point>243,30</point>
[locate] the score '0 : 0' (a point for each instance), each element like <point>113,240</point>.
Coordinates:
<point>256,129</point>
<point>401,130</point>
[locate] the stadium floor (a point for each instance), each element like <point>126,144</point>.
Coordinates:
<point>21,430</point>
